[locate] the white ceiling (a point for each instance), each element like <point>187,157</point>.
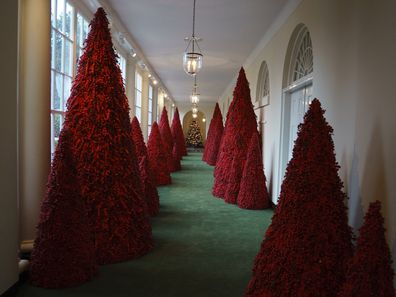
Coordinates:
<point>230,29</point>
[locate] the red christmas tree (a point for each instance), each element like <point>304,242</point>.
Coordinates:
<point>307,246</point>
<point>370,270</point>
<point>234,178</point>
<point>157,157</point>
<point>64,251</point>
<point>146,175</point>
<point>177,134</point>
<point>215,133</point>
<point>253,192</point>
<point>176,158</point>
<point>239,127</point>
<point>149,188</point>
<point>166,136</point>
<point>99,123</point>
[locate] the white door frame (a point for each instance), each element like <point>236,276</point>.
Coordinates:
<point>285,124</point>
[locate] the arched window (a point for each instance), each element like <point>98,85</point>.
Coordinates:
<point>297,92</point>
<point>299,58</point>
<point>262,90</point>
<point>303,64</point>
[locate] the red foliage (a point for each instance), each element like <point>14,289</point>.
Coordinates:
<point>99,123</point>
<point>213,140</point>
<point>177,134</point>
<point>157,157</point>
<point>234,178</point>
<point>146,174</point>
<point>370,270</point>
<point>253,192</point>
<point>176,158</point>
<point>64,251</point>
<point>167,138</point>
<point>307,246</point>
<point>149,187</point>
<point>240,124</point>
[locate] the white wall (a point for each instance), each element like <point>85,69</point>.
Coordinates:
<point>354,45</point>
<point>8,146</point>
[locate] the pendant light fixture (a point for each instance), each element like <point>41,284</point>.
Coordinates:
<point>192,59</point>
<point>195,95</point>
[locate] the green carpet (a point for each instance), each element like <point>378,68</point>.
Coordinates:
<point>203,246</point>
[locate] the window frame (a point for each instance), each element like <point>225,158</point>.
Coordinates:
<point>76,40</point>
<point>138,91</point>
<point>150,108</point>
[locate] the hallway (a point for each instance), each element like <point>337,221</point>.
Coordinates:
<point>203,246</point>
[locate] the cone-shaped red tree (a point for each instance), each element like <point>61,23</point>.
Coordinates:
<point>177,134</point>
<point>239,127</point>
<point>146,174</point>
<point>176,158</point>
<point>215,132</point>
<point>370,270</point>
<point>308,244</point>
<point>157,157</point>
<point>166,136</point>
<point>149,188</point>
<point>99,123</point>
<point>234,178</point>
<point>64,251</point>
<point>253,192</point>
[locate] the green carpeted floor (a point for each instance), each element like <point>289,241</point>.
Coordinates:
<point>203,246</point>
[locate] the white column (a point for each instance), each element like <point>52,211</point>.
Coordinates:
<point>34,112</point>
<point>8,145</point>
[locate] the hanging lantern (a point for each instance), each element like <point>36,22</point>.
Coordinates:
<point>192,59</point>
<point>194,98</point>
<point>195,95</point>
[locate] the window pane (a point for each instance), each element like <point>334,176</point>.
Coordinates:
<point>150,92</point>
<point>138,81</point>
<point>84,32</point>
<point>56,103</point>
<point>53,12</point>
<point>52,87</point>
<point>52,48</point>
<point>69,21</point>
<point>148,129</point>
<point>150,105</point>
<point>66,90</point>
<point>138,99</point>
<point>68,57</point>
<point>122,63</point>
<point>56,127</point>
<point>60,13</point>
<point>58,51</point>
<point>150,117</point>
<point>138,113</point>
<point>79,29</point>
